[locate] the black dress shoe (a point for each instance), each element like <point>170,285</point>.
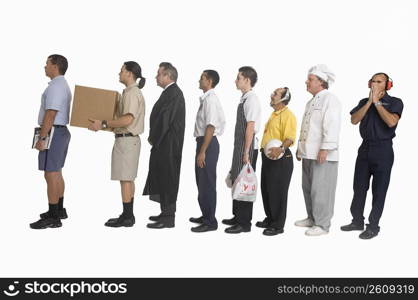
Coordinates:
<point>272,231</point>
<point>262,224</point>
<point>230,222</point>
<point>160,225</point>
<point>196,220</point>
<point>46,223</point>
<point>62,214</point>
<point>368,234</point>
<point>352,226</point>
<point>155,218</point>
<point>122,221</point>
<point>237,229</point>
<point>114,220</point>
<point>204,228</point>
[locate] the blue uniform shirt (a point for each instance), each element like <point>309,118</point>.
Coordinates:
<point>372,127</point>
<point>57,96</point>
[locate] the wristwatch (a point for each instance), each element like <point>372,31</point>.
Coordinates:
<point>104,124</point>
<point>378,103</point>
<point>42,138</point>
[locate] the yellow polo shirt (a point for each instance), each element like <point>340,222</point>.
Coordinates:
<point>281,126</point>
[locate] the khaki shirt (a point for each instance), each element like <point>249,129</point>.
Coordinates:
<point>132,102</point>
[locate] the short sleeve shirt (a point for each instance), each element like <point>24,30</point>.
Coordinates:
<point>132,102</point>
<point>210,113</point>
<point>57,96</point>
<point>281,126</point>
<point>372,127</point>
<point>252,109</point>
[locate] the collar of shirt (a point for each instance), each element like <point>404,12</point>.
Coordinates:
<point>57,78</point>
<point>246,95</point>
<point>206,95</point>
<point>386,98</point>
<point>324,91</point>
<point>276,113</point>
<point>130,87</point>
<point>168,85</point>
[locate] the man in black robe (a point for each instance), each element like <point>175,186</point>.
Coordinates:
<point>167,122</point>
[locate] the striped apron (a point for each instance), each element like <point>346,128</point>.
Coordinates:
<point>239,143</point>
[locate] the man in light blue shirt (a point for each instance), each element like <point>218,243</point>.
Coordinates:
<point>54,113</point>
<point>57,96</point>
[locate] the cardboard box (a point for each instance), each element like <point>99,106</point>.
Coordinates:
<point>92,103</point>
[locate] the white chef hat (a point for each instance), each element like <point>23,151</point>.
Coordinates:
<point>323,72</point>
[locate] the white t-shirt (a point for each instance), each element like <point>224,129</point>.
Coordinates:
<point>252,112</point>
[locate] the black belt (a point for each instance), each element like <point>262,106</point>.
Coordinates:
<point>199,138</point>
<point>118,135</point>
<point>59,126</point>
<point>377,142</point>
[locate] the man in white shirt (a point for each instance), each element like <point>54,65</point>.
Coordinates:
<point>246,127</point>
<point>318,149</point>
<point>210,123</point>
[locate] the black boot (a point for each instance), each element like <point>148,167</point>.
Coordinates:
<point>52,221</point>
<point>62,212</point>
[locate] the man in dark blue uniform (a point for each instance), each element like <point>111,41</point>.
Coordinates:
<point>378,116</point>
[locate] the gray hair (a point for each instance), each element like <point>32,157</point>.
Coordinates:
<point>170,70</point>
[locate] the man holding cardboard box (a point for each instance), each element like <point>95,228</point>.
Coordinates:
<point>129,123</point>
<point>54,114</point>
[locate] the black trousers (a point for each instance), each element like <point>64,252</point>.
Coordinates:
<point>168,210</point>
<point>374,159</point>
<point>275,181</point>
<point>243,210</point>
<point>206,181</point>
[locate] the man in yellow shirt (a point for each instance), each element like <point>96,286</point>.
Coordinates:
<point>276,172</point>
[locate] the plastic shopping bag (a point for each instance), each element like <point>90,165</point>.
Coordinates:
<point>245,186</point>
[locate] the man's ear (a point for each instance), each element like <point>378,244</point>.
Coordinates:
<point>56,68</point>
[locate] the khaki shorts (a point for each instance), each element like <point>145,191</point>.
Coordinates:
<point>125,158</point>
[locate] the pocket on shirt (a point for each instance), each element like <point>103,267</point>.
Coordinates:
<point>317,114</point>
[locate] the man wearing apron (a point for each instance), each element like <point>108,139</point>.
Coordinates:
<point>246,126</point>
<point>378,116</point>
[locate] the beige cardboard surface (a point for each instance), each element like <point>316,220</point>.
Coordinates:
<point>92,103</point>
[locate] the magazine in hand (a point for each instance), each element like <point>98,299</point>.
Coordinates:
<point>37,135</point>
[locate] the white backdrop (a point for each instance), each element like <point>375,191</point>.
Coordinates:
<point>281,40</point>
